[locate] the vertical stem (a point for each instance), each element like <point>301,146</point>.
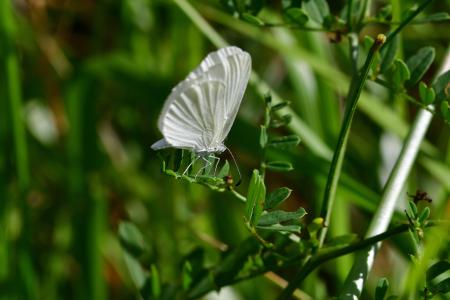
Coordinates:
<point>407,20</point>
<point>338,157</point>
<point>396,181</point>
<point>13,93</point>
<point>380,221</point>
<point>14,98</point>
<point>349,15</point>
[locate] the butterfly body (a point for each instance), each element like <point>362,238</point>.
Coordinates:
<point>199,112</point>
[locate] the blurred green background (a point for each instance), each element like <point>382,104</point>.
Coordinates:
<point>81,87</point>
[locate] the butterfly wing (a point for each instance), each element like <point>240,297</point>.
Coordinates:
<point>189,121</point>
<point>230,66</point>
<point>233,66</point>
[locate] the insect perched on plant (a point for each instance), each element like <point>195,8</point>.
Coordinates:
<point>200,110</point>
<point>420,196</point>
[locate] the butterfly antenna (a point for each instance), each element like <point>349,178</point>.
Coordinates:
<point>237,167</point>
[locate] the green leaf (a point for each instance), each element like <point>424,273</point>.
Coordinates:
<point>193,269</point>
<point>442,287</point>
<point>280,166</point>
<point>137,274</point>
<point>427,95</point>
<point>296,15</point>
<point>252,19</point>
<point>280,216</point>
<point>186,275</point>
<point>255,198</point>
<point>424,215</point>
<point>419,63</point>
<point>400,72</point>
<point>436,17</point>
<point>388,55</point>
<point>131,238</point>
<point>381,289</point>
<point>279,106</point>
<point>413,208</point>
<point>277,197</point>
<point>317,10</point>
<point>281,228</point>
<point>155,282</point>
<point>263,137</point>
<point>441,86</point>
<point>437,269</point>
<point>284,142</point>
<point>225,170</point>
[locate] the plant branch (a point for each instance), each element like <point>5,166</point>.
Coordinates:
<point>325,256</point>
<point>406,21</point>
<point>338,156</point>
<point>322,257</point>
<point>382,217</point>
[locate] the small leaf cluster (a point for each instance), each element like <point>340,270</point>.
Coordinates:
<point>273,120</point>
<point>437,283</point>
<point>406,77</point>
<point>384,16</point>
<point>260,208</point>
<point>417,219</point>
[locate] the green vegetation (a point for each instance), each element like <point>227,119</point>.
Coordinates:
<point>342,139</point>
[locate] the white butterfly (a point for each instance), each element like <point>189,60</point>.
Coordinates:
<point>200,110</point>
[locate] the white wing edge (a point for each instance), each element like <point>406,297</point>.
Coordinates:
<point>161,144</point>
<point>212,59</point>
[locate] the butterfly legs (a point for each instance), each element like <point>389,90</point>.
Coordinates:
<point>190,165</point>
<point>217,161</point>
<point>209,160</point>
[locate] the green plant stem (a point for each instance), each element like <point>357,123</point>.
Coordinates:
<point>406,21</point>
<point>363,263</point>
<point>380,221</point>
<point>403,94</point>
<point>338,156</point>
<point>325,256</point>
<point>14,94</point>
<point>310,265</point>
<point>238,196</point>
<point>349,15</point>
<point>364,12</point>
<point>11,70</point>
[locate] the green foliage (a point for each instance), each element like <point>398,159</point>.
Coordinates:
<point>427,95</point>
<point>381,289</point>
<point>255,198</point>
<point>400,73</point>
<point>440,286</point>
<point>81,87</point>
<point>277,197</point>
<point>296,15</point>
<point>419,63</point>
